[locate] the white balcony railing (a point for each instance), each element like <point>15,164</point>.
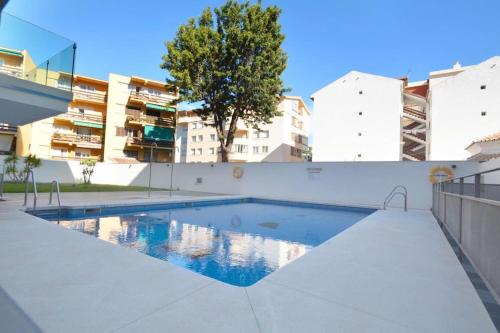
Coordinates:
<point>11,70</point>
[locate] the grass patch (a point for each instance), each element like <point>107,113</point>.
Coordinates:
<point>45,187</point>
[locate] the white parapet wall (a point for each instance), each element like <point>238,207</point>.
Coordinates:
<point>349,183</point>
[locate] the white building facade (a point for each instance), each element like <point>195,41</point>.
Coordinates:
<point>357,118</point>
<point>284,140</point>
<point>374,118</point>
<point>464,107</point>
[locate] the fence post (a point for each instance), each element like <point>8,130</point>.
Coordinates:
<point>477,186</point>
<point>461,192</point>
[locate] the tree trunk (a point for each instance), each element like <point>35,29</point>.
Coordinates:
<point>224,154</point>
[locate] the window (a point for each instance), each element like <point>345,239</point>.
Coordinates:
<point>483,87</point>
<point>483,113</point>
<point>212,137</point>
<point>194,125</point>
<point>295,152</point>
<point>82,153</point>
<point>59,152</point>
<point>87,87</point>
<point>193,151</point>
<point>193,138</point>
<point>265,149</point>
<point>255,149</point>
<point>200,138</point>
<point>239,148</point>
<point>63,83</point>
<point>120,131</point>
<point>200,124</point>
<point>83,131</point>
<point>212,151</point>
<point>200,151</point>
<point>261,134</point>
<point>81,111</point>
<point>131,153</point>
<point>154,92</point>
<point>132,133</point>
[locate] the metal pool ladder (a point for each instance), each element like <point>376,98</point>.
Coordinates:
<point>58,192</point>
<point>2,180</point>
<point>401,190</point>
<point>35,192</point>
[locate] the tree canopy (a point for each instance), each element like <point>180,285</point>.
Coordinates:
<point>230,61</point>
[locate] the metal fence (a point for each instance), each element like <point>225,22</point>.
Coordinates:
<point>469,208</point>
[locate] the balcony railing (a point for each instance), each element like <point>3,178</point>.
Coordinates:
<point>77,138</point>
<point>144,96</point>
<point>75,158</point>
<point>12,71</point>
<point>81,116</point>
<point>138,116</point>
<point>88,95</point>
<point>147,143</point>
<point>51,56</point>
<point>7,128</point>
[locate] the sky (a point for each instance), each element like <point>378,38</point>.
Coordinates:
<point>325,39</point>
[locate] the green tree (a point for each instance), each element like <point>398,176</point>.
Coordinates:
<point>88,166</point>
<point>231,65</point>
<point>11,168</point>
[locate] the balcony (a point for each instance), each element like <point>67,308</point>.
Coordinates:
<point>142,142</point>
<point>83,119</point>
<point>75,158</point>
<point>137,117</point>
<point>11,71</point>
<point>145,97</point>
<point>36,59</point>
<point>90,96</point>
<point>79,140</point>
<point>5,128</point>
<point>45,56</point>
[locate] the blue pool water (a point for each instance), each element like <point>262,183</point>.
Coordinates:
<point>235,242</point>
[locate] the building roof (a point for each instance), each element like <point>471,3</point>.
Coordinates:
<point>420,90</point>
<point>484,153</point>
<point>355,74</point>
<point>488,138</point>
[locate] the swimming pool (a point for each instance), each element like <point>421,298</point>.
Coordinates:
<point>236,241</point>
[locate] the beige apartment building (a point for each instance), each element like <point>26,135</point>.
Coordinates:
<point>117,120</point>
<point>121,119</point>
<point>284,140</point>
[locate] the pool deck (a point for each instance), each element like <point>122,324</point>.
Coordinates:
<point>390,272</point>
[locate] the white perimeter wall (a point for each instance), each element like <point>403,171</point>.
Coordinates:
<point>350,183</point>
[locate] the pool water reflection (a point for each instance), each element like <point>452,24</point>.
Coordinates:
<point>235,243</point>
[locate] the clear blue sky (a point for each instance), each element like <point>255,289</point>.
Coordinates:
<point>324,38</point>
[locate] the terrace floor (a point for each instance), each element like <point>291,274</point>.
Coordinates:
<point>390,272</point>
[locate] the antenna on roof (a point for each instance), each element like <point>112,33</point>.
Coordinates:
<point>457,65</point>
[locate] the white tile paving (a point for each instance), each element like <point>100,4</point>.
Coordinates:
<point>391,272</point>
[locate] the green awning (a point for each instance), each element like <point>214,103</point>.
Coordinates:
<point>10,52</point>
<point>152,106</point>
<point>156,133</point>
<point>155,107</point>
<point>86,124</point>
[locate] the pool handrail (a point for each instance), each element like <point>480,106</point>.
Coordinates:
<point>395,192</point>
